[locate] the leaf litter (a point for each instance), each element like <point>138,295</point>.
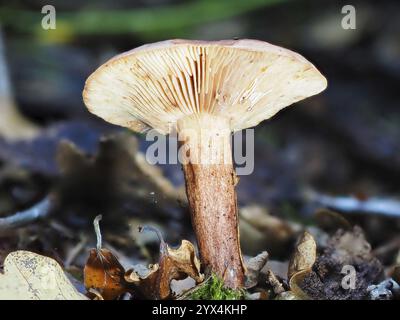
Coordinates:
<point>309,269</point>
<point>105,274</point>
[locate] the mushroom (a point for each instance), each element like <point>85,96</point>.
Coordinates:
<point>204,91</point>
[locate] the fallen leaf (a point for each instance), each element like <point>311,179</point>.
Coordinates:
<point>175,264</point>
<point>295,284</point>
<point>301,264</point>
<point>304,256</point>
<point>253,268</point>
<point>30,276</point>
<point>105,274</point>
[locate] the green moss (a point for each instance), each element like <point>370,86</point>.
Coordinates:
<point>213,289</point>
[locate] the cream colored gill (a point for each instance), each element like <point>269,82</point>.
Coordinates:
<point>245,83</point>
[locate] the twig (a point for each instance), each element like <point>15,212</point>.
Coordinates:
<point>274,283</point>
<point>383,206</point>
<point>188,293</point>
<point>72,254</point>
<point>61,228</point>
<point>23,218</point>
<point>97,231</point>
<point>163,244</point>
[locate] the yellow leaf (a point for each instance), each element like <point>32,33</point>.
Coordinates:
<point>30,276</point>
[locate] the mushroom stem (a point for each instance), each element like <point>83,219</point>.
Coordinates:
<point>210,186</point>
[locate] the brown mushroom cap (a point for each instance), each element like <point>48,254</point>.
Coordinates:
<point>244,81</point>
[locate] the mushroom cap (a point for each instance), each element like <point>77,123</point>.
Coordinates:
<point>155,85</point>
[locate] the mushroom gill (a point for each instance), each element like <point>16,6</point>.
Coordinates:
<point>155,88</point>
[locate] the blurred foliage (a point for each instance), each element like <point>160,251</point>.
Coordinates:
<point>154,22</point>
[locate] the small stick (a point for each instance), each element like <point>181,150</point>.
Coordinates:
<point>39,211</point>
<point>97,231</point>
<point>275,283</point>
<point>71,256</point>
<point>163,245</point>
<point>382,206</point>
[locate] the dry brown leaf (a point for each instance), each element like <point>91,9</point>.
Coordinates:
<point>30,276</point>
<point>304,256</point>
<point>295,285</point>
<point>253,268</point>
<point>105,274</point>
<point>301,264</point>
<point>173,264</point>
